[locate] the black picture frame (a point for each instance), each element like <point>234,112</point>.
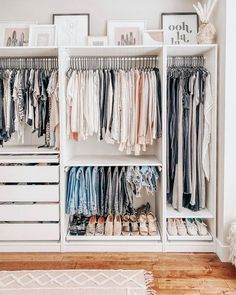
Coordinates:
<point>179,14</point>
<point>72,14</point>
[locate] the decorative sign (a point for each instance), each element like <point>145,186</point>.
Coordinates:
<point>180,28</point>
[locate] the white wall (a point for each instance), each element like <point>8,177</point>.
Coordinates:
<point>100,10</point>
<point>225,23</point>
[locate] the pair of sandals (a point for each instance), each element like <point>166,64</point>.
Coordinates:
<point>130,226</point>
<point>147,221</point>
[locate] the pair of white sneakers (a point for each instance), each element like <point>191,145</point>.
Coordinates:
<point>189,226</point>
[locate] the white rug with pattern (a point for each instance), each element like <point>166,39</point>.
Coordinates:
<point>76,282</point>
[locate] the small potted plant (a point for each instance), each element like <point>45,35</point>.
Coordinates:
<point>207,32</point>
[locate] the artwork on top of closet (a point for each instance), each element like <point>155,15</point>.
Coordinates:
<point>180,28</point>
<point>125,33</point>
<point>29,97</point>
<point>71,29</point>
<point>42,35</point>
<point>189,124</point>
<point>120,106</point>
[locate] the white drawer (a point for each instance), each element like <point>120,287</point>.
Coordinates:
<point>29,212</point>
<point>32,174</point>
<point>29,193</point>
<point>29,232</point>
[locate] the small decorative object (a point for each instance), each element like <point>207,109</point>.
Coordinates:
<point>180,28</point>
<point>125,33</point>
<point>97,41</point>
<point>14,34</point>
<point>42,35</point>
<point>207,32</point>
<point>153,37</point>
<point>71,29</point>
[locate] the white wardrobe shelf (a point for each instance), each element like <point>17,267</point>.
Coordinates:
<point>186,213</point>
<point>114,50</point>
<point>24,150</point>
<point>28,51</point>
<point>189,50</point>
<point>112,238</point>
<point>122,160</point>
<point>208,237</point>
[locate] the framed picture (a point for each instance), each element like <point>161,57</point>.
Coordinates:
<point>14,34</point>
<point>97,41</point>
<point>42,35</point>
<point>71,29</point>
<point>125,33</point>
<point>153,37</point>
<point>180,28</point>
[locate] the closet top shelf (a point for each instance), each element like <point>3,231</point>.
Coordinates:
<point>28,51</point>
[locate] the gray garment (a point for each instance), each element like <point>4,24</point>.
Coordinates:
<point>115,193</point>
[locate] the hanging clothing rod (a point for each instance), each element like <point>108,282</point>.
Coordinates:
<point>29,62</point>
<point>187,61</point>
<point>114,62</point>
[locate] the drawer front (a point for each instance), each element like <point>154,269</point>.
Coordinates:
<point>29,193</point>
<point>32,174</point>
<point>34,212</point>
<point>29,232</point>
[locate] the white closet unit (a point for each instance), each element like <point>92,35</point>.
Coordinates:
<point>45,236</point>
<point>29,184</point>
<point>94,153</point>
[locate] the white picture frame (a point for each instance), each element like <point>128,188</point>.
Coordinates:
<point>97,41</point>
<point>71,29</point>
<point>153,37</point>
<point>125,33</point>
<point>14,34</point>
<point>180,28</point>
<point>42,35</point>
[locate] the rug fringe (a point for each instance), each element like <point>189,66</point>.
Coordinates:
<point>149,279</point>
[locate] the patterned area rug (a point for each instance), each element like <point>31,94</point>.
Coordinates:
<point>76,282</point>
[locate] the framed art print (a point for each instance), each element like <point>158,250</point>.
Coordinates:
<point>71,29</point>
<point>180,28</point>
<point>125,33</point>
<point>42,35</point>
<point>14,34</point>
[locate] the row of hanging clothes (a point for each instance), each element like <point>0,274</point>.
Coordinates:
<point>29,97</point>
<point>117,99</point>
<point>108,190</point>
<point>189,126</point>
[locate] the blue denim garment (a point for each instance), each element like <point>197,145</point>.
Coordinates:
<point>108,197</point>
<point>90,197</point>
<point>95,190</point>
<point>102,191</point>
<point>81,190</point>
<point>71,206</point>
<point>115,193</point>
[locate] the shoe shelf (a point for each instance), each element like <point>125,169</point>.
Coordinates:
<point>186,213</point>
<point>113,238</point>
<point>208,237</point>
<point>121,160</point>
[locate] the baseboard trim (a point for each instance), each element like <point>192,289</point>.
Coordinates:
<point>222,251</point>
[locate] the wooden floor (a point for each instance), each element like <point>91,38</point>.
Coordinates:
<point>174,273</point>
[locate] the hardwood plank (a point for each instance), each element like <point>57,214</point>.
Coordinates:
<point>174,273</point>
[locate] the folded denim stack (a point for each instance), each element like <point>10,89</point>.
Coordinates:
<point>186,227</point>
